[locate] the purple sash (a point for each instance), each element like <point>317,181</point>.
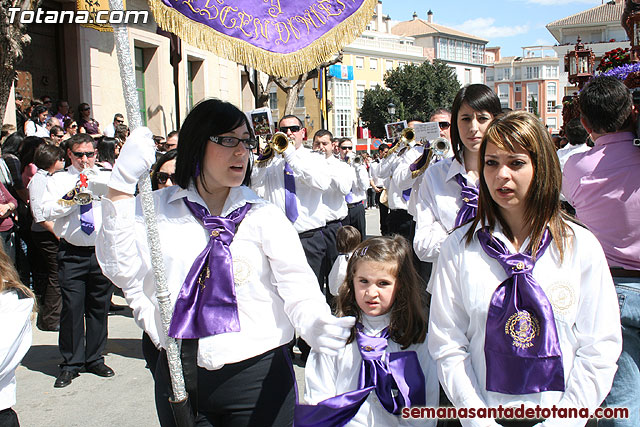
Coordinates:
<point>206,304</point>
<point>290,203</point>
<point>521,345</point>
<point>406,194</point>
<point>469,195</point>
<point>420,161</point>
<point>399,383</point>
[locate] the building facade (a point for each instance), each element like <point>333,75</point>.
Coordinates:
<point>599,29</point>
<point>463,52</point>
<point>529,82</point>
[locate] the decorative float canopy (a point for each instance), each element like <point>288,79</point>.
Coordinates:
<point>579,64</point>
<point>280,37</point>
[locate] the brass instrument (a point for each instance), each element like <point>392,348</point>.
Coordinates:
<point>439,148</point>
<point>407,136</point>
<point>278,144</point>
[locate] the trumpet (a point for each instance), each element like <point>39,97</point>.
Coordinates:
<point>440,147</point>
<point>278,144</point>
<point>407,136</point>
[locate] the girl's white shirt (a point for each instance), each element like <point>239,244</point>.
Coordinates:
<point>15,341</point>
<point>327,376</point>
<point>275,287</point>
<point>585,308</point>
<point>437,207</point>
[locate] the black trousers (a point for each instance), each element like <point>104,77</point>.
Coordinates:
<point>384,212</point>
<point>356,218</point>
<point>399,221</point>
<point>315,247</point>
<point>9,418</point>
<point>255,392</point>
<point>50,302</point>
<point>86,294</point>
<point>329,234</point>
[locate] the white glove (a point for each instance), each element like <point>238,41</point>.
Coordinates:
<point>137,156</point>
<point>327,334</point>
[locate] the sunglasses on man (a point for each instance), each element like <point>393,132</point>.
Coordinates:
<point>81,154</point>
<point>293,129</point>
<point>444,125</point>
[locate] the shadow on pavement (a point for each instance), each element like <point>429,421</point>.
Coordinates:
<point>45,358</point>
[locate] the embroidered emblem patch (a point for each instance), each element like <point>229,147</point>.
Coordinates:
<point>241,271</point>
<point>523,329</point>
<point>561,296</point>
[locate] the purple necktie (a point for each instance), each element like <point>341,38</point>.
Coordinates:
<point>521,345</point>
<point>350,197</point>
<point>290,203</point>
<point>469,195</point>
<point>86,219</point>
<point>406,194</point>
<point>399,383</point>
<point>206,304</point>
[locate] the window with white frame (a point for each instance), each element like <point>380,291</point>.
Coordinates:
<point>489,74</point>
<point>518,105</point>
<point>273,98</point>
<point>503,94</point>
<point>532,98</point>
<point>467,76</point>
<point>518,88</point>
<point>551,71</point>
<point>373,63</point>
<point>342,107</point>
<point>551,106</point>
<point>552,90</point>
<point>359,62</point>
<point>359,95</point>
<point>552,123</point>
<point>388,65</point>
<point>300,100</point>
<point>532,72</point>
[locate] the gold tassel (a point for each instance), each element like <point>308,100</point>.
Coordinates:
<point>278,64</point>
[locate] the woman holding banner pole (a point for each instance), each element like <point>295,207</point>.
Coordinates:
<point>237,274</point>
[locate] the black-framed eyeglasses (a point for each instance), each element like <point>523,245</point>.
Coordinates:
<point>86,109</point>
<point>163,177</point>
<point>293,129</point>
<point>346,148</point>
<point>59,136</point>
<point>444,125</point>
<point>80,154</point>
<point>120,121</point>
<point>232,141</point>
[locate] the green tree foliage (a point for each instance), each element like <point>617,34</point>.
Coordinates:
<point>416,90</point>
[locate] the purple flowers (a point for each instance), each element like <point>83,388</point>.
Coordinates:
<point>622,71</point>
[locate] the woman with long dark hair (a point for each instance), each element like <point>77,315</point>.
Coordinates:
<point>238,277</point>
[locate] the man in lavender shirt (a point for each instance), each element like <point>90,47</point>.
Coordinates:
<point>603,185</point>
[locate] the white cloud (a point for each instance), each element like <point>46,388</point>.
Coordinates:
<point>484,27</point>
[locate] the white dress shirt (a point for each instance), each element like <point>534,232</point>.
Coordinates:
<point>275,287</point>
<point>327,376</point>
<point>342,177</point>
<point>338,273</point>
<point>37,187</point>
<point>15,341</point>
<point>360,184</point>
<point>585,307</point>
<point>67,218</point>
<point>569,150</point>
<point>386,170</point>
<point>110,130</point>
<point>34,129</point>
<point>438,204</point>
<point>311,180</point>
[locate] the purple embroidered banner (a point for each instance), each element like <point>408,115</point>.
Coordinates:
<point>287,36</point>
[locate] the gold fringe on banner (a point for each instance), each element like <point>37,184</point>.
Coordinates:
<point>277,64</point>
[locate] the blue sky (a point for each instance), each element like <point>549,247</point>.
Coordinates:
<point>510,24</point>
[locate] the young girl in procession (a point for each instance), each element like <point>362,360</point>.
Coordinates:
<point>16,308</point>
<point>523,310</point>
<point>238,277</point>
<point>448,193</point>
<point>387,345</point>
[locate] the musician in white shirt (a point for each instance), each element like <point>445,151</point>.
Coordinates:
<point>567,311</point>
<point>243,369</point>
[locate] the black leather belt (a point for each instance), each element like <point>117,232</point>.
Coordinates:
<point>621,272</point>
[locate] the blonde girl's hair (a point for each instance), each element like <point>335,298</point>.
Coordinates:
<point>409,315</point>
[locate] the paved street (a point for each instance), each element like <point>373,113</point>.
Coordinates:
<point>124,400</point>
